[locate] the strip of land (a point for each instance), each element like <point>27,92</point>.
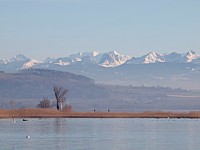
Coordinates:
<point>53,113</point>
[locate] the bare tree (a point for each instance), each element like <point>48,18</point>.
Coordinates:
<point>45,103</point>
<point>60,94</point>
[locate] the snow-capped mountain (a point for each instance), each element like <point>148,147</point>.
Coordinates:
<point>62,61</point>
<point>18,62</point>
<point>191,55</point>
<point>151,57</point>
<point>30,64</point>
<point>76,57</point>
<point>113,59</point>
<point>92,57</point>
<point>188,57</point>
<point>108,59</point>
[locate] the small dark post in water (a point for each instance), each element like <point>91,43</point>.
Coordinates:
<point>94,110</point>
<point>108,110</point>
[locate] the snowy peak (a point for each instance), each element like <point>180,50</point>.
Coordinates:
<point>114,53</point>
<point>83,56</point>
<point>95,53</point>
<point>113,59</point>
<point>174,57</point>
<point>18,62</point>
<point>62,61</point>
<point>91,57</point>
<point>76,57</point>
<point>30,64</point>
<point>107,59</point>
<point>191,55</point>
<point>151,57</point>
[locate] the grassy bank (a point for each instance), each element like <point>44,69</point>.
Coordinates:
<point>53,113</point>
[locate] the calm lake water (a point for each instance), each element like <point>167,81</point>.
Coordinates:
<point>100,134</point>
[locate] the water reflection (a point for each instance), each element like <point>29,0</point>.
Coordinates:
<point>60,125</point>
<point>61,133</point>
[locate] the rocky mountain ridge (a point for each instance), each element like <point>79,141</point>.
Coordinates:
<point>110,59</point>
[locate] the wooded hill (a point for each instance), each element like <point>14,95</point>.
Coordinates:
<point>27,87</point>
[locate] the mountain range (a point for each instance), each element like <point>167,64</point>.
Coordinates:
<point>169,69</point>
<point>110,59</point>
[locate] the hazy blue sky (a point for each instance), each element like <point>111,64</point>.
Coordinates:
<point>40,28</point>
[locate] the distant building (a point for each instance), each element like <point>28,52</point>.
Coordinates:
<point>1,71</point>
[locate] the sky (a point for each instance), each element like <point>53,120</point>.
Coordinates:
<point>57,28</point>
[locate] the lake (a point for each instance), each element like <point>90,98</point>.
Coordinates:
<point>100,134</point>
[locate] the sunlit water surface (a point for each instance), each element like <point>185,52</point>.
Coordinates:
<point>100,134</point>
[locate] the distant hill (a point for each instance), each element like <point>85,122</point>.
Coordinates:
<point>38,83</point>
<point>27,87</point>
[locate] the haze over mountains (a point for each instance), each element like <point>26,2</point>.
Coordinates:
<point>110,59</point>
<point>27,88</point>
<point>172,69</point>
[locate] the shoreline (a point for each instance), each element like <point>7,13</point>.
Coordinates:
<point>53,113</point>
